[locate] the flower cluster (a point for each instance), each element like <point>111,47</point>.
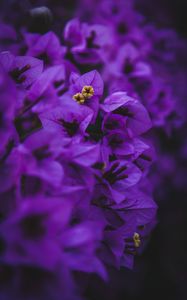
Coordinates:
<point>76,111</point>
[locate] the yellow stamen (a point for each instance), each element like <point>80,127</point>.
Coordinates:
<point>137,240</point>
<point>79,98</point>
<point>87,91</point>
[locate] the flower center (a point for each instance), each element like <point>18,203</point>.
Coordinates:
<point>86,93</point>
<point>137,240</point>
<point>79,98</point>
<point>132,244</point>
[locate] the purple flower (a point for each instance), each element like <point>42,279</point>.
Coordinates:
<point>41,150</point>
<point>69,119</point>
<point>78,183</point>
<point>32,233</point>
<point>46,47</point>
<point>127,226</point>
<point>84,154</point>
<point>161,102</point>
<point>39,235</point>
<point>117,144</point>
<point>129,63</point>
<point>87,43</point>
<point>24,70</point>
<point>44,93</point>
<point>163,43</point>
<point>116,178</point>
<point>88,89</point>
<point>135,114</point>
<point>73,35</point>
<point>47,225</point>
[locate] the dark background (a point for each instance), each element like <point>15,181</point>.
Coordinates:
<point>172,13</point>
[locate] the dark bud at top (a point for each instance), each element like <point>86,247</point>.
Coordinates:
<point>40,20</point>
